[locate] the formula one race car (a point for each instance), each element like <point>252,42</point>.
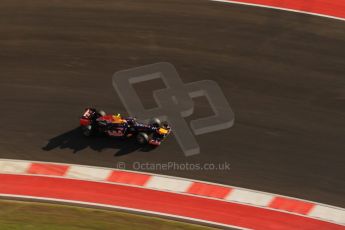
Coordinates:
<point>93,121</point>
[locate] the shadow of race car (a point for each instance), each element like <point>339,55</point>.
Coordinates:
<point>95,122</point>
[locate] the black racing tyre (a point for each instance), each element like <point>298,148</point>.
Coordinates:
<point>102,113</point>
<point>87,130</point>
<point>142,138</point>
<point>155,122</point>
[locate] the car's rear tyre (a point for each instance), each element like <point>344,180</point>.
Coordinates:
<point>87,130</point>
<point>155,122</point>
<point>142,138</point>
<point>102,113</point>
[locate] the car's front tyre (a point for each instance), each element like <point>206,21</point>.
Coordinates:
<point>142,138</point>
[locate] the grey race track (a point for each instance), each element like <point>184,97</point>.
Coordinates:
<point>283,74</point>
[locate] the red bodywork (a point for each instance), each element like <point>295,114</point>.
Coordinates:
<point>84,122</point>
<point>85,119</point>
<point>108,118</point>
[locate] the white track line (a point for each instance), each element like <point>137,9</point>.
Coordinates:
<point>280,8</point>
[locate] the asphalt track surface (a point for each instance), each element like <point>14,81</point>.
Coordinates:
<point>283,74</point>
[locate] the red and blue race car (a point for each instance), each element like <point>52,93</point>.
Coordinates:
<point>98,122</point>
